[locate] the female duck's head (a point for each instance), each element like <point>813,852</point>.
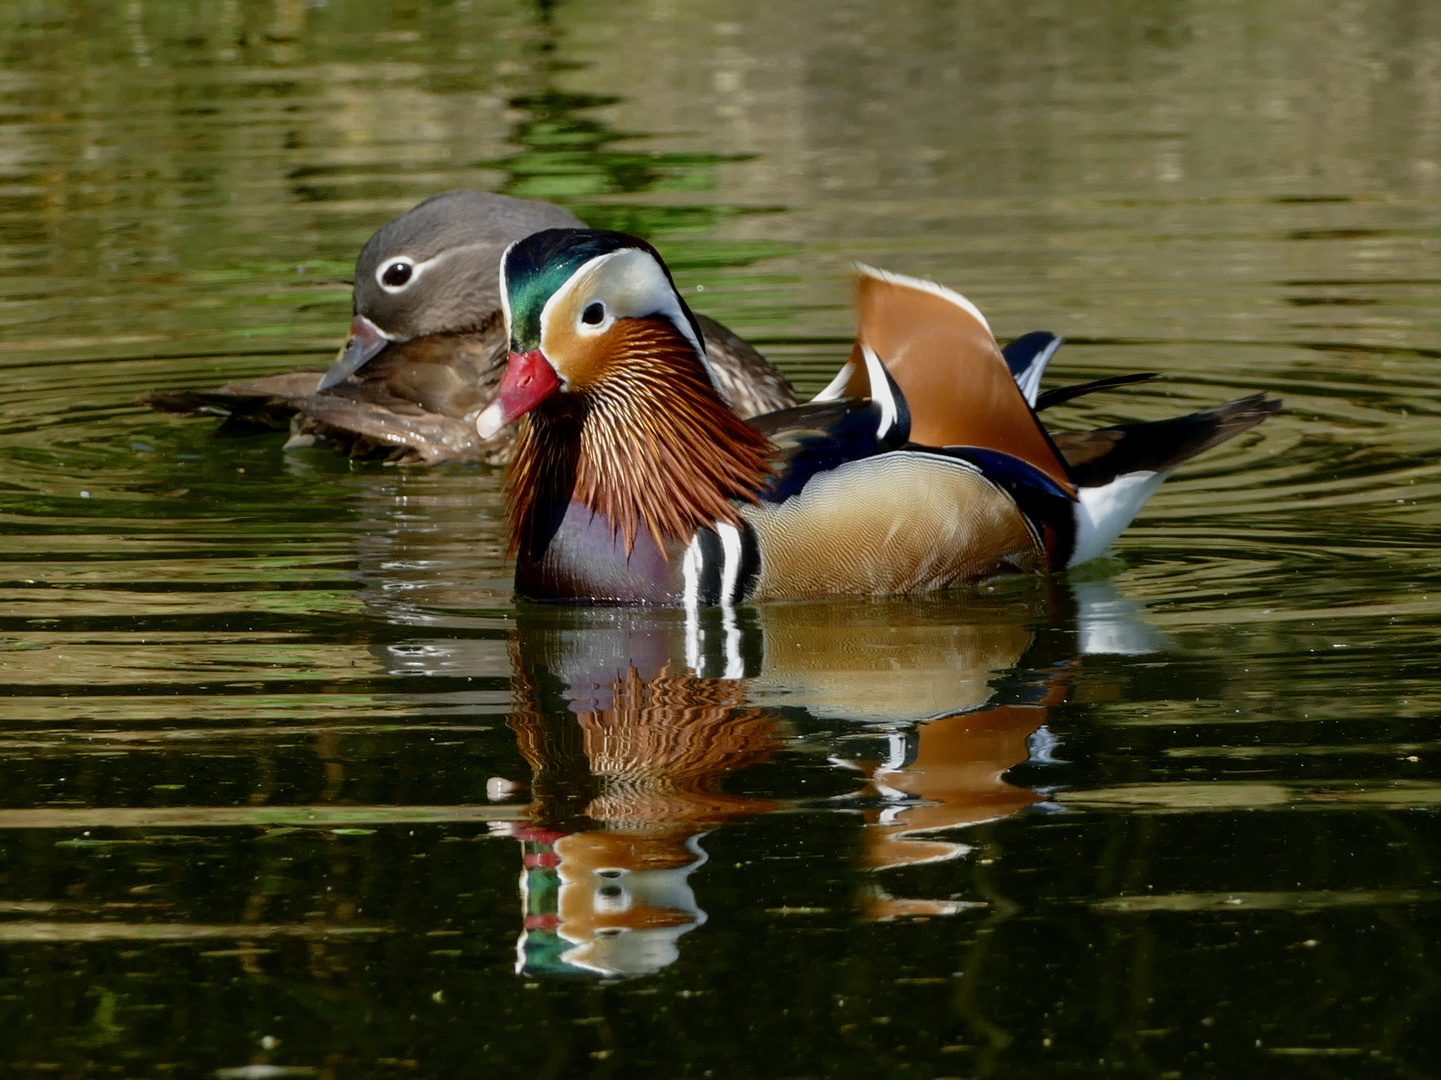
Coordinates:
<point>572,299</point>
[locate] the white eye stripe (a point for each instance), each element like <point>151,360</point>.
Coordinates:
<point>390,264</point>
<point>599,326</point>
<point>419,268</point>
<point>635,286</point>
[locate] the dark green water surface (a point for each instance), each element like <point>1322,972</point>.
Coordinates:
<point>289,785</point>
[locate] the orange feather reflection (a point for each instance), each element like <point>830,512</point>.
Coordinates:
<point>955,781</point>
<point>623,792</point>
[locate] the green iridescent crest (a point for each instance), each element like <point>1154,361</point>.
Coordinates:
<point>538,266</point>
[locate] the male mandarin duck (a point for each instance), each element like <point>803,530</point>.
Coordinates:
<point>922,466</point>
<point>428,343</point>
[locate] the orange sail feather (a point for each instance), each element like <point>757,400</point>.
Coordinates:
<point>942,354</point>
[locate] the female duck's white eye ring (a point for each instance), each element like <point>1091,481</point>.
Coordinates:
<point>396,274</point>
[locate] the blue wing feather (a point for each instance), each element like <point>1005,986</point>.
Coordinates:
<point>1004,470</point>
<point>824,435</point>
<point>817,438</point>
<point>1027,358</point>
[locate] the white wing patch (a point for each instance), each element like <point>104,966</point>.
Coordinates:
<point>880,391</point>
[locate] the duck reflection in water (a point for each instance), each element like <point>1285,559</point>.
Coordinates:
<point>627,748</point>
<point>630,720</point>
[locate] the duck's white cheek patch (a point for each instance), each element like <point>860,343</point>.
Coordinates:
<point>631,284</point>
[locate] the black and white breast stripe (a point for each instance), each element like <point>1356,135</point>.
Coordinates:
<point>724,642</point>
<point>720,565</point>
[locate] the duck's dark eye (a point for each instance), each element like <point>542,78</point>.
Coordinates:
<point>396,274</point>
<point>594,314</point>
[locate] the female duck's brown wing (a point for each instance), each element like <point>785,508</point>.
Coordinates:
<point>748,381</point>
<point>417,401</point>
<point>250,405</point>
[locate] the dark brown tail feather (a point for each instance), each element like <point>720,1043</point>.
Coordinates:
<point>1098,457</point>
<point>1066,393</point>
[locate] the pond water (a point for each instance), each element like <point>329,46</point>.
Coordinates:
<point>292,787</point>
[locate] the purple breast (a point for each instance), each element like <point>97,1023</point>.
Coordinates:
<point>586,561</point>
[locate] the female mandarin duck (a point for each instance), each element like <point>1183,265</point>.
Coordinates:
<point>921,467</point>
<point>427,345</point>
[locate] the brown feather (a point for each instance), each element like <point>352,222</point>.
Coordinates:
<point>648,444</point>
<point>417,401</point>
<point>951,371</point>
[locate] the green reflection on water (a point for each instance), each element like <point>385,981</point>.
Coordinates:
<point>568,158</point>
